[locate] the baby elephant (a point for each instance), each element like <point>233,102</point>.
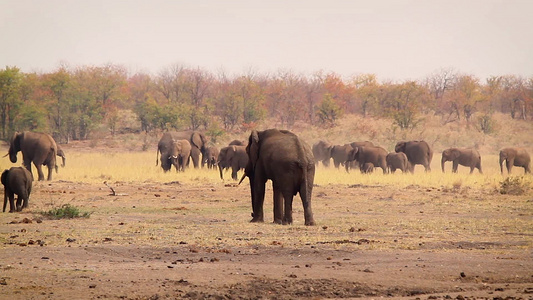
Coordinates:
<point>16,180</point>
<point>367,168</point>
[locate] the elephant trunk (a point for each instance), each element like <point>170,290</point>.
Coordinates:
<point>442,163</point>
<point>501,163</point>
<point>63,159</point>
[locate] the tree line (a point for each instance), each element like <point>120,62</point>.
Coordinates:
<point>71,102</point>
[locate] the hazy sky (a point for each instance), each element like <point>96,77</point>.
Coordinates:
<point>393,39</point>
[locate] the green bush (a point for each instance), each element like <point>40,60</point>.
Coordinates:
<point>66,211</point>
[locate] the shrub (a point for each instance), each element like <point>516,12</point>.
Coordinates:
<point>66,211</point>
<point>518,185</point>
<point>486,124</point>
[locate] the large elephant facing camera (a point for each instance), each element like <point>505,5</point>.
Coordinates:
<point>233,157</point>
<point>197,140</point>
<point>281,156</point>
<point>517,157</point>
<point>418,153</point>
<point>467,157</point>
<point>36,147</point>
<point>16,181</point>
<point>179,154</point>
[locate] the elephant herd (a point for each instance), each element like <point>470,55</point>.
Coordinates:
<point>272,154</point>
<point>407,154</point>
<point>37,148</point>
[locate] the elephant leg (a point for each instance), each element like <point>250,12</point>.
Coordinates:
<point>40,171</point>
<point>287,215</point>
<point>455,166</point>
<point>12,207</point>
<point>234,171</point>
<point>195,156</point>
<point>305,195</point>
<point>325,162</point>
<point>278,206</point>
<point>258,198</point>
<point>19,203</point>
<point>509,164</point>
<point>50,171</point>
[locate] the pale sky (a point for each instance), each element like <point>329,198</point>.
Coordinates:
<point>394,39</point>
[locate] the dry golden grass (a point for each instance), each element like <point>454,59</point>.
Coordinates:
<point>140,167</point>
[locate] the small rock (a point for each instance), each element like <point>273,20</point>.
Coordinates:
<point>70,240</point>
<point>92,286</point>
<point>45,257</point>
<point>463,274</point>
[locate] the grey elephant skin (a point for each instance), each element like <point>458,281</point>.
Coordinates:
<point>375,155</point>
<point>233,157</point>
<point>17,180</point>
<point>367,168</point>
<point>197,140</point>
<point>61,154</point>
<point>340,153</point>
<point>211,157</point>
<point>517,157</point>
<point>237,143</point>
<point>397,161</point>
<point>322,152</point>
<point>281,156</point>
<point>467,157</point>
<point>39,148</point>
<point>179,154</point>
<point>418,153</point>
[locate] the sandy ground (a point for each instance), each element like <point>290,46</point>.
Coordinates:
<point>194,241</point>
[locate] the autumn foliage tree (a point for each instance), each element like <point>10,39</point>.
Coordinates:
<point>71,103</point>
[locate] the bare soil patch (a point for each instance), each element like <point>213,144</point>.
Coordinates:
<point>193,241</point>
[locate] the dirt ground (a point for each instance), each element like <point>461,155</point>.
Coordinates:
<point>194,241</point>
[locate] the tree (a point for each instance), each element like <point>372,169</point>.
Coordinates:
<point>401,102</point>
<point>328,111</point>
<point>10,80</point>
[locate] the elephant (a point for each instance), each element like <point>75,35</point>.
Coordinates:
<point>467,157</point>
<point>234,157</point>
<point>418,153</point>
<point>39,148</point>
<point>367,168</point>
<point>17,180</point>
<point>397,161</point>
<point>197,140</point>
<point>375,155</point>
<point>179,154</point>
<point>237,143</point>
<point>61,154</point>
<point>322,152</point>
<point>284,158</point>
<point>340,153</point>
<point>211,157</point>
<point>517,157</point>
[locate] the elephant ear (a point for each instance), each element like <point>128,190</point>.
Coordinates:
<point>196,139</point>
<point>455,153</point>
<point>4,177</point>
<point>400,147</point>
<point>253,150</point>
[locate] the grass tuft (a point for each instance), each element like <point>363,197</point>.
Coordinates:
<point>66,211</point>
<point>518,185</point>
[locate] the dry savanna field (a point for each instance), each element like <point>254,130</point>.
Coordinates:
<point>187,235</point>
